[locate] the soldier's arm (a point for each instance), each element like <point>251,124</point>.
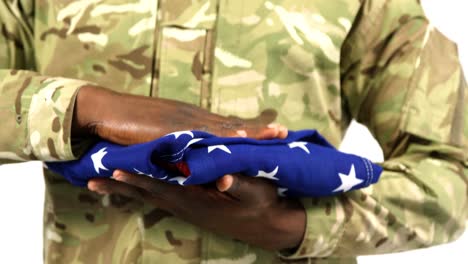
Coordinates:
<point>52,118</point>
<point>403,80</point>
<point>35,110</point>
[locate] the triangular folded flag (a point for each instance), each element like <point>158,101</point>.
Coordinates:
<point>302,165</point>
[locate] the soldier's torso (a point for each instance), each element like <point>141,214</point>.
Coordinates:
<point>233,57</point>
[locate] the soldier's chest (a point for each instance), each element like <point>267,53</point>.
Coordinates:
<point>230,56</point>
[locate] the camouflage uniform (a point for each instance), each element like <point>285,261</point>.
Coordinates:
<point>320,63</point>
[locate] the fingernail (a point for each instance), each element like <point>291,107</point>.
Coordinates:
<point>273,125</point>
<point>118,175</point>
<point>121,178</point>
<point>241,133</point>
<point>95,188</point>
<point>92,185</point>
<point>227,182</point>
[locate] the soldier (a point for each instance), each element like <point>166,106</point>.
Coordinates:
<point>319,64</point>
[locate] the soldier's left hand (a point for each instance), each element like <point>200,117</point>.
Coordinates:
<point>243,208</point>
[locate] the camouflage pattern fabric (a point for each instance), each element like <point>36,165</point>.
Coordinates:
<point>319,63</point>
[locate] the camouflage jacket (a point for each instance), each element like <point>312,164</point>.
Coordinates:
<point>320,63</point>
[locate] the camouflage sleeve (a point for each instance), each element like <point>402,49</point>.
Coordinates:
<point>35,110</point>
<point>403,80</point>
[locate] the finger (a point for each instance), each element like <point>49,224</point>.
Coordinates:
<point>151,185</point>
<point>224,183</point>
<point>267,116</point>
<point>260,131</point>
<point>261,127</point>
<point>167,196</point>
<point>109,186</point>
<point>273,131</point>
<point>283,132</point>
<point>269,132</point>
<point>256,131</point>
<point>246,189</point>
<point>241,133</point>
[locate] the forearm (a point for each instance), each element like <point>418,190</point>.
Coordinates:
<point>119,117</point>
<point>128,119</point>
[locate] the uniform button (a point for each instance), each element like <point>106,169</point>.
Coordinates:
<point>19,118</point>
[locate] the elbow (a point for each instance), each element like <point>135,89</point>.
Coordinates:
<point>450,224</point>
<point>445,221</point>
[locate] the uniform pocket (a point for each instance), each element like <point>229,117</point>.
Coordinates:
<point>185,50</point>
<point>184,64</point>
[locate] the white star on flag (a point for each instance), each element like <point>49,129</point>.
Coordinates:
<point>193,141</point>
<point>348,181</point>
<point>268,175</point>
<point>299,144</point>
<point>97,160</point>
<point>282,191</point>
<point>181,180</point>
<point>179,133</point>
<point>142,173</point>
<point>220,147</point>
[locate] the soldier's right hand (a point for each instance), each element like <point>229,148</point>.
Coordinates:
<point>129,119</point>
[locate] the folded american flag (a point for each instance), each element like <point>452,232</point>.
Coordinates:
<point>303,164</point>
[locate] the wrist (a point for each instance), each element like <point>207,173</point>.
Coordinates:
<point>290,224</point>
<point>92,104</point>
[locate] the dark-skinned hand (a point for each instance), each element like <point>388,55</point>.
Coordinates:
<point>128,119</point>
<point>241,207</point>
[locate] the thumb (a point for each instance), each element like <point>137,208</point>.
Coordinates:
<point>267,116</point>
<point>246,189</point>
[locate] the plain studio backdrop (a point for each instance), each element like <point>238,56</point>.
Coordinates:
<point>21,219</point>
